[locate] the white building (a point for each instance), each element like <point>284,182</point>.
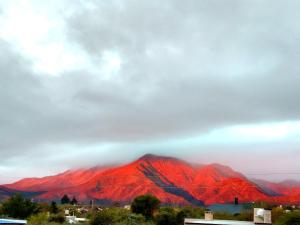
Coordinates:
<point>75,220</point>
<point>12,222</point>
<point>217,222</point>
<point>261,217</point>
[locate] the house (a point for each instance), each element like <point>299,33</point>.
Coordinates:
<point>12,222</point>
<point>75,220</point>
<point>261,217</point>
<point>216,222</point>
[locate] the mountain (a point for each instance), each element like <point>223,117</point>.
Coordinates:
<point>172,180</point>
<point>67,179</point>
<point>289,189</point>
<point>7,192</point>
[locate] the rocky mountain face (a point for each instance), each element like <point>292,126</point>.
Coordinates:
<point>172,180</point>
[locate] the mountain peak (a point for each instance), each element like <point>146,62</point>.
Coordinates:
<point>150,157</point>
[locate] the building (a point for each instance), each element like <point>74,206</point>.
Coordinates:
<point>12,222</point>
<point>261,217</point>
<point>75,220</point>
<point>230,208</point>
<point>216,222</point>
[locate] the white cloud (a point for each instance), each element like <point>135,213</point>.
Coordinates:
<point>37,31</point>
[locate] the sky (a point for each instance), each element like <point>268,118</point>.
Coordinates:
<point>85,83</point>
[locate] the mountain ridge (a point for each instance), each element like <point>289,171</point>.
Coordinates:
<point>172,180</point>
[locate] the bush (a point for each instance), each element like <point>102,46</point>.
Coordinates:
<point>19,207</point>
<point>133,219</point>
<point>103,217</point>
<point>292,218</point>
<point>39,219</point>
<point>57,218</point>
<point>189,212</point>
<point>277,213</point>
<point>166,218</point>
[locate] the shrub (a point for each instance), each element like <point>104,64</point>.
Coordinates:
<point>166,218</point>
<point>292,218</point>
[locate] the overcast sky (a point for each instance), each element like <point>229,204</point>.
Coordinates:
<point>86,83</point>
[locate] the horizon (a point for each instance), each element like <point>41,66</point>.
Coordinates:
<point>90,83</point>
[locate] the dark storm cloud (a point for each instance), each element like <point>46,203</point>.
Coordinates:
<point>187,67</point>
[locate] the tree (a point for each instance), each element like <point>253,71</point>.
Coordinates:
<point>38,219</point>
<point>74,201</point>
<point>57,218</point>
<point>102,218</point>
<point>166,218</point>
<point>145,205</point>
<point>292,218</point>
<point>65,199</point>
<point>53,208</point>
<point>19,207</point>
<point>192,212</point>
<point>277,212</point>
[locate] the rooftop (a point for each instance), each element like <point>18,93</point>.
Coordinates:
<point>10,221</point>
<point>219,222</point>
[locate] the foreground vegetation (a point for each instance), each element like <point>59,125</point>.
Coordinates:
<point>144,210</point>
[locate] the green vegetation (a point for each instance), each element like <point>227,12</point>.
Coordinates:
<point>145,205</point>
<point>74,201</point>
<point>117,216</point>
<point>19,207</point>
<point>53,208</point>
<point>145,210</point>
<point>291,218</point>
<point>40,219</point>
<point>65,200</point>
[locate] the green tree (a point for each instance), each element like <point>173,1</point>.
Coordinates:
<point>53,208</point>
<point>145,205</point>
<point>166,218</point>
<point>292,218</point>
<point>74,201</point>
<point>65,199</point>
<point>19,207</point>
<point>277,212</point>
<point>189,212</point>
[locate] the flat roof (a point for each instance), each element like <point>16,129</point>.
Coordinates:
<point>10,221</point>
<point>219,222</point>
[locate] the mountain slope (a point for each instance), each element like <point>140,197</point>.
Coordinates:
<point>124,183</point>
<point>7,192</point>
<point>172,180</point>
<point>66,179</point>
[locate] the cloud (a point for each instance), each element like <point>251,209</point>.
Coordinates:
<point>121,73</point>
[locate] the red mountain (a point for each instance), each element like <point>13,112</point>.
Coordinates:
<point>66,179</point>
<point>6,192</point>
<point>171,180</point>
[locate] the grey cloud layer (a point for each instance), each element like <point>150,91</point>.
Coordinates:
<point>188,67</point>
